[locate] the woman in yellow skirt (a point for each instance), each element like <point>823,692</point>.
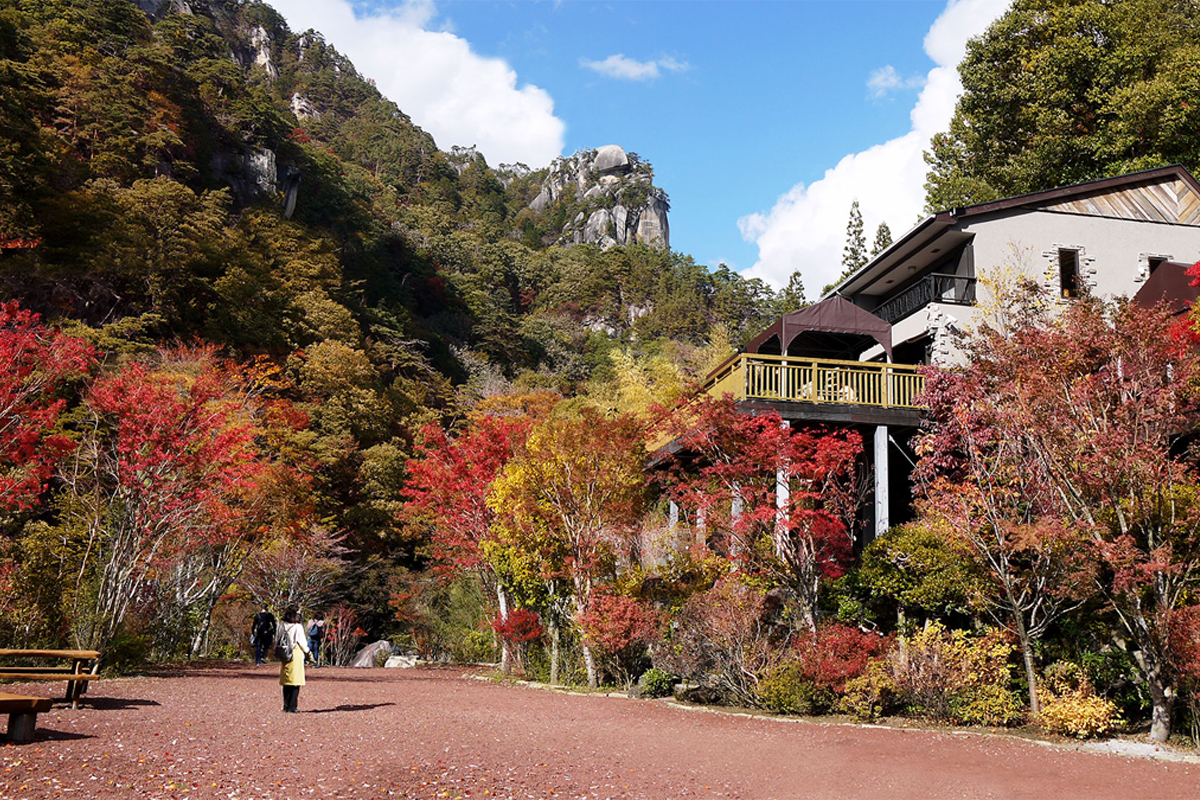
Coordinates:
<point>291,673</point>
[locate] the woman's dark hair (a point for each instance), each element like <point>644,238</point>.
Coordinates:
<point>292,614</point>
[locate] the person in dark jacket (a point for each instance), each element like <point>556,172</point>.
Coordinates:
<point>262,634</point>
<point>316,635</point>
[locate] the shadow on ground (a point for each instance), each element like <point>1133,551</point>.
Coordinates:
<point>49,735</point>
<point>349,707</point>
<point>115,703</point>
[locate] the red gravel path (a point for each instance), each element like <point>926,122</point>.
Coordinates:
<point>219,732</point>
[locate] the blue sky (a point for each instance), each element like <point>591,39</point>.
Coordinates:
<point>763,118</point>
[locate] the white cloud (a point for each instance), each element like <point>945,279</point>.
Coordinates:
<point>806,229</point>
<point>627,69</point>
<point>886,80</point>
<point>458,96</point>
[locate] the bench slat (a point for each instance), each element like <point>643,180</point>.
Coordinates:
<point>84,668</point>
<point>83,654</point>
<point>48,676</point>
<point>21,704</point>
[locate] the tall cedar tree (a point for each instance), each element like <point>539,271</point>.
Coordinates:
<point>883,239</point>
<point>854,254</point>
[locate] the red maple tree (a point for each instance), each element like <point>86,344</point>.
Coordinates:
<point>163,464</point>
<point>448,485</point>
<point>35,363</point>
<point>776,499</point>
<point>1063,428</point>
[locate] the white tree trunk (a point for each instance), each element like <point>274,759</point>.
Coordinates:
<point>589,661</point>
<point>505,650</point>
<point>555,635</point>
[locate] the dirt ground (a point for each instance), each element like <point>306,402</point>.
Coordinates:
<point>219,732</point>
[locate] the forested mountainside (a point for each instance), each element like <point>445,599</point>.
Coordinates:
<point>205,171</point>
<point>197,173</point>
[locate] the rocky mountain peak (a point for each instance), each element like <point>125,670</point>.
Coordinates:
<point>609,198</point>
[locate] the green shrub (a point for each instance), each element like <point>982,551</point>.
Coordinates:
<point>1070,705</point>
<point>657,683</point>
<point>871,696</point>
<point>940,674</point>
<point>126,653</point>
<point>785,690</point>
<point>1115,676</point>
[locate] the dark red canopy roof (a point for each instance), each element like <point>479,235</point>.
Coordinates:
<point>835,325</point>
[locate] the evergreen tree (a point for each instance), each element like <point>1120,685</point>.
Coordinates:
<point>854,254</point>
<point>792,298</point>
<point>883,239</point>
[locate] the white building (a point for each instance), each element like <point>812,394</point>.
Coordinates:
<point>1106,237</point>
<point>834,364</point>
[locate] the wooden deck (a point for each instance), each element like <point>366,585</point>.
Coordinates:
<point>803,380</point>
<point>818,391</point>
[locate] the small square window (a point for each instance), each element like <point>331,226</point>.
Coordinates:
<point>1068,272</point>
<point>1156,262</point>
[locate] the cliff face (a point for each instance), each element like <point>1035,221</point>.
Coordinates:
<point>604,196</point>
<point>613,198</point>
<point>318,97</point>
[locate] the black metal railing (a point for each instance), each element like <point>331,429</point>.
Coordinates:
<point>931,289</point>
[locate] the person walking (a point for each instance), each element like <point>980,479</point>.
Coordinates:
<point>316,635</point>
<point>291,673</point>
<point>262,634</point>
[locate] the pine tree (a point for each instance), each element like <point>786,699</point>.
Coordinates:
<point>854,255</point>
<point>883,239</point>
<point>793,298</point>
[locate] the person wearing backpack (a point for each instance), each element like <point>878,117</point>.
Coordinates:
<point>316,635</point>
<point>262,634</point>
<point>291,671</point>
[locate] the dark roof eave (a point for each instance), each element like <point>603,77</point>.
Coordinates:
<point>946,220</point>
<point>1087,187</point>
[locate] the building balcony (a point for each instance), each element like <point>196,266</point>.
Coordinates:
<point>953,289</point>
<point>818,391</point>
<point>789,379</point>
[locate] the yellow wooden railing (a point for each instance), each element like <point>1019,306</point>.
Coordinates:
<point>808,380</point>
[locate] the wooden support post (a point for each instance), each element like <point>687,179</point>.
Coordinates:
<point>783,493</point>
<point>882,504</point>
<point>736,507</point>
<point>21,727</point>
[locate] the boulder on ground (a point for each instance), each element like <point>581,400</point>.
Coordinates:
<point>373,654</point>
<point>403,662</point>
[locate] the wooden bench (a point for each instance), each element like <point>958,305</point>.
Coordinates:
<point>84,667</point>
<point>22,714</point>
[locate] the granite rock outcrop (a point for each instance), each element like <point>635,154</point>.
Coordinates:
<point>614,198</point>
